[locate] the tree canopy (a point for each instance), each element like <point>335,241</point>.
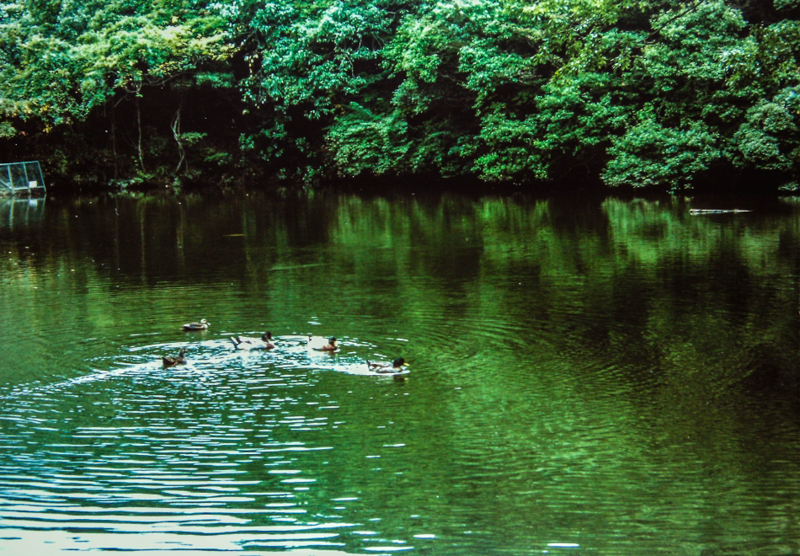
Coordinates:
<point>634,93</point>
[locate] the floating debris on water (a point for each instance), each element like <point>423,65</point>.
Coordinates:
<point>717,211</point>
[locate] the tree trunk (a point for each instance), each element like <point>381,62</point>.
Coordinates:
<point>176,132</point>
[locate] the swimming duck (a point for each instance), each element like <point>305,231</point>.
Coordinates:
<point>319,343</point>
<point>245,342</point>
<point>191,326</point>
<point>172,360</point>
<point>394,367</point>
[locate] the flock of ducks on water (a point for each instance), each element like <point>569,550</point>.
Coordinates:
<point>317,343</point>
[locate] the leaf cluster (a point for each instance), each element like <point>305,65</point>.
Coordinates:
<point>639,93</point>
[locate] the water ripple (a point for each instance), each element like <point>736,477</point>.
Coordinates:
<point>174,442</point>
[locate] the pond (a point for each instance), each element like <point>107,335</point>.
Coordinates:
<point>585,376</point>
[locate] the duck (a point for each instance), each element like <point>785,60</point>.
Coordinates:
<point>245,342</point>
<point>172,360</point>
<point>394,367</point>
<point>192,326</point>
<point>320,343</point>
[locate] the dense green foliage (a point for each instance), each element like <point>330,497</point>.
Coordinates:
<point>653,93</point>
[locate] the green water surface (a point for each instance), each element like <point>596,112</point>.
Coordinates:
<point>586,377</point>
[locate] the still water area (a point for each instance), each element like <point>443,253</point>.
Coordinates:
<point>586,376</point>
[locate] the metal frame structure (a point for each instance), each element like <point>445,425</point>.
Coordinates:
<point>17,177</point>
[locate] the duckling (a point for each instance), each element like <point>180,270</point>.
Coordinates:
<point>192,326</point>
<point>172,360</point>
<point>245,342</point>
<point>394,367</point>
<point>319,343</point>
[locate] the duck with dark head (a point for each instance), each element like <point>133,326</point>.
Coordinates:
<point>394,367</point>
<point>318,343</point>
<point>173,360</point>
<point>245,342</point>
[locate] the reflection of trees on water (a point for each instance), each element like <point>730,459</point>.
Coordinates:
<point>624,277</point>
<point>552,342</point>
<point>628,278</point>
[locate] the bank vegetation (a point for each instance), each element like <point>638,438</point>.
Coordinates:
<point>656,94</point>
